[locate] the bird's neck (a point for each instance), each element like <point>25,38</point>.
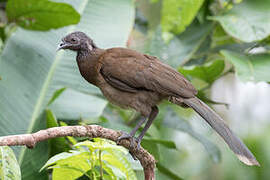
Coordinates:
<point>87,61</point>
<point>83,55</point>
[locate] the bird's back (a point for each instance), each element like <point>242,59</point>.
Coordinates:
<point>140,71</point>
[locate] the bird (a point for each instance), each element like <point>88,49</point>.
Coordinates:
<point>133,80</point>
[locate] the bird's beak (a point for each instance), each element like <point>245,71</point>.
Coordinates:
<point>62,45</point>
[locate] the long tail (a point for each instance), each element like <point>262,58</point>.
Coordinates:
<point>216,122</point>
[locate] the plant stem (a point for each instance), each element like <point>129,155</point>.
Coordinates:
<point>100,162</point>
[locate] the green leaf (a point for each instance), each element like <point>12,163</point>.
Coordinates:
<point>167,172</point>
<point>117,168</point>
<point>152,148</point>
<point>9,167</point>
<point>109,170</point>
<point>75,105</point>
<point>51,119</point>
<point>250,68</point>
<point>84,161</point>
<point>66,173</point>
<point>3,35</point>
<point>181,48</point>
<point>53,160</point>
<point>178,14</point>
<point>120,162</point>
<point>165,143</point>
<point>41,14</point>
<point>32,71</point>
<point>123,159</point>
<point>56,145</point>
<point>72,159</point>
<point>40,154</point>
<point>247,21</point>
<point>220,37</point>
<point>171,120</point>
<point>102,144</point>
<point>56,94</point>
<point>208,72</point>
<point>118,153</point>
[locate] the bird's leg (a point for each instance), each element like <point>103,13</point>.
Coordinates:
<point>132,133</point>
<point>151,118</point>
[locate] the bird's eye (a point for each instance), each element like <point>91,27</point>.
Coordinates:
<point>73,39</point>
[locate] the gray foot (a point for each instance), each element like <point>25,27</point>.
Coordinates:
<point>127,136</point>
<point>138,140</point>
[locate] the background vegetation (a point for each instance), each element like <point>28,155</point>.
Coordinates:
<point>222,46</point>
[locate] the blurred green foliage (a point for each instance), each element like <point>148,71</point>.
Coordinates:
<point>41,15</point>
<point>9,167</point>
<point>178,14</point>
<point>247,21</point>
<point>208,72</point>
<point>203,39</point>
<point>100,159</point>
<point>250,67</point>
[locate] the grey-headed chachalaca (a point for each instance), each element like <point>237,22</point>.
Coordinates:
<point>130,79</point>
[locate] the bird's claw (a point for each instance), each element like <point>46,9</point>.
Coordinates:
<point>133,140</point>
<point>126,136</point>
<point>138,144</point>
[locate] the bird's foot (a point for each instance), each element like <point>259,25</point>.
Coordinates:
<point>138,140</point>
<point>125,135</point>
<point>133,140</point>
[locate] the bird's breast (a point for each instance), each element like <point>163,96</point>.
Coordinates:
<point>88,71</point>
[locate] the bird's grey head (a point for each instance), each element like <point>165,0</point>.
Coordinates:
<point>77,41</point>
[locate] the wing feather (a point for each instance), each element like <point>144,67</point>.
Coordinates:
<point>139,71</point>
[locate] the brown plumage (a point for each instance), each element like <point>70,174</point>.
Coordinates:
<point>134,80</point>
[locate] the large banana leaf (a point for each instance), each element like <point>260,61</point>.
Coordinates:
<point>31,70</point>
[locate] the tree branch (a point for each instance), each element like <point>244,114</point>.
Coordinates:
<point>92,131</point>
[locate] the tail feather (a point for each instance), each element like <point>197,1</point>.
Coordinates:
<point>216,122</point>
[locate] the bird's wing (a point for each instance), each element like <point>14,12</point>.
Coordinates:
<point>130,71</point>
